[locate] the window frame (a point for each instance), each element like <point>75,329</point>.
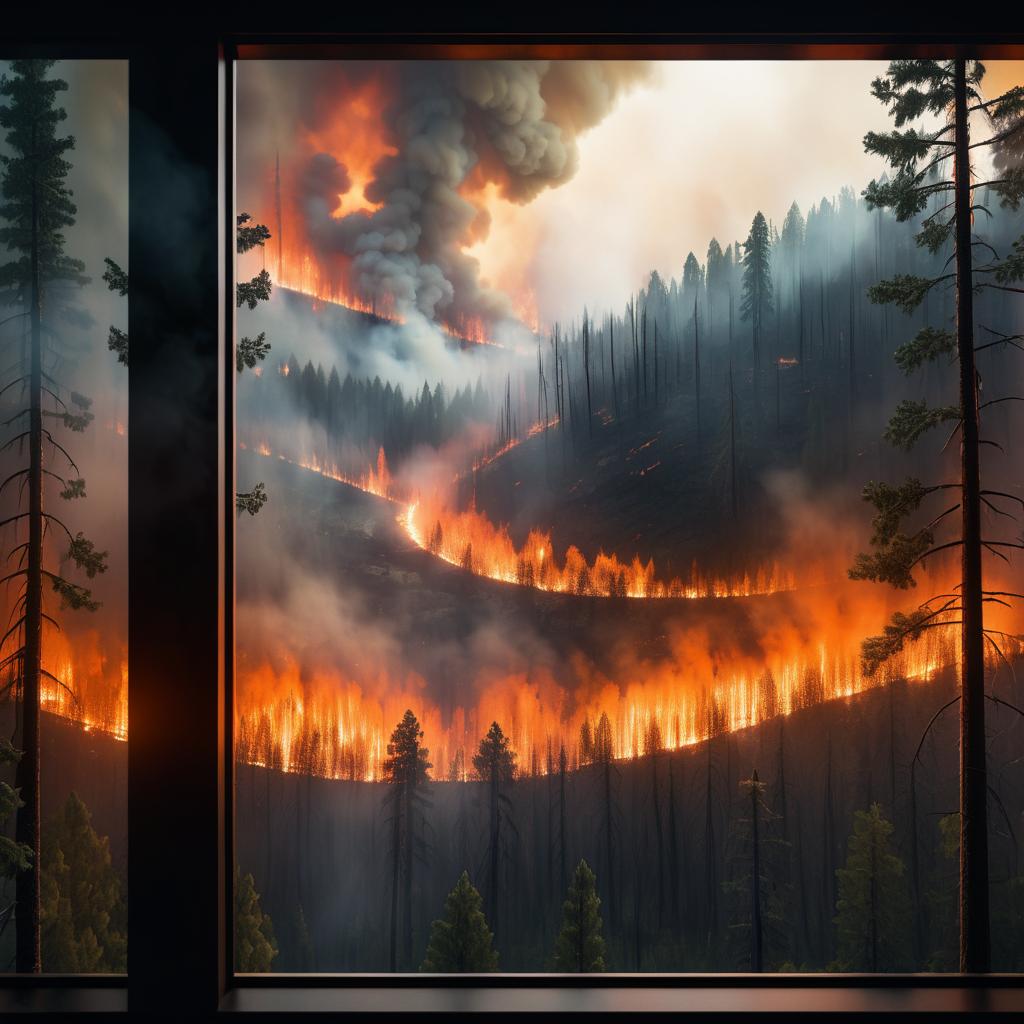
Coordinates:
<point>182,545</point>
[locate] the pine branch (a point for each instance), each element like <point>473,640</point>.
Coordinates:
<point>876,650</point>
<point>116,278</point>
<point>929,344</point>
<point>251,350</point>
<point>250,237</point>
<point>906,291</point>
<point>912,419</point>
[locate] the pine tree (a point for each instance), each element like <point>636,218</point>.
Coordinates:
<point>495,764</point>
<point>758,892</point>
<point>756,302</point>
<point>603,757</point>
<point>872,912</point>
<point>405,770</point>
<point>911,88</point>
<point>255,945</point>
<point>14,856</point>
<point>36,206</point>
<point>460,942</point>
<point>83,914</point>
<point>579,948</point>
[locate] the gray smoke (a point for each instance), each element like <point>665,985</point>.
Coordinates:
<point>455,126</point>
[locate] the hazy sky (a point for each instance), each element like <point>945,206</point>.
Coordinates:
<point>692,153</point>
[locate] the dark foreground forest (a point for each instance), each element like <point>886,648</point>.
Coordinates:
<point>670,838</point>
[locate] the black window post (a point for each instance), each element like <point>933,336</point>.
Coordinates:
<point>178,492</point>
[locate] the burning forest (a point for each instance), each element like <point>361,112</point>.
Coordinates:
<point>588,532</point>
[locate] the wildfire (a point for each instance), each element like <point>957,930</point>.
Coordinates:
<point>335,728</point>
<point>83,682</point>
<point>468,539</point>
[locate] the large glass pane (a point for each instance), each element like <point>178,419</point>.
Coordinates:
<point>559,387</point>
<point>64,466</point>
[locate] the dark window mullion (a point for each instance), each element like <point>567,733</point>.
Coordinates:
<point>176,541</point>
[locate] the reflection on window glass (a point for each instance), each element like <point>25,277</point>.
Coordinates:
<point>565,640</point>
<point>63,502</point>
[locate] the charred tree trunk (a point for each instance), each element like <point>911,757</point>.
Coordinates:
<point>613,916</point>
<point>915,871</point>
<point>562,844</point>
<point>659,838</point>
<point>673,849</point>
<point>710,877</point>
<point>586,373</point>
<point>27,952</point>
<point>873,906</point>
<point>409,852</point>
<point>636,356</point>
<point>396,838</point>
<point>829,880</point>
<point>756,926</point>
<point>655,362</point>
<point>611,349</point>
<point>732,443</point>
<point>494,856</point>
<point>974,908</point>
<point>696,365</point>
<point>800,332</point>
<point>821,311</point>
<point>892,751</point>
<point>643,337</point>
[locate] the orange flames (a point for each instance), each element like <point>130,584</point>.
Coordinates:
<point>84,682</point>
<point>337,727</point>
<point>470,540</point>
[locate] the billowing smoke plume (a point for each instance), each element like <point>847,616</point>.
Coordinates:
<point>449,131</point>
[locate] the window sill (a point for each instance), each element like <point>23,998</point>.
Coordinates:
<point>746,994</point>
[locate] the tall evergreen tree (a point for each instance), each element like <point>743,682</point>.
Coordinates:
<point>579,948</point>
<point>405,770</point>
<point>948,89</point>
<point>872,912</point>
<point>495,764</point>
<point>36,206</point>
<point>603,757</point>
<point>756,303</point>
<point>460,942</point>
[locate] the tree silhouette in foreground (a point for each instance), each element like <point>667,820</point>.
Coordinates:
<point>948,89</point>
<point>460,942</point>
<point>84,917</point>
<point>580,944</point>
<point>495,764</point>
<point>872,913</point>
<point>14,856</point>
<point>36,207</point>
<point>405,771</point>
<point>255,945</point>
